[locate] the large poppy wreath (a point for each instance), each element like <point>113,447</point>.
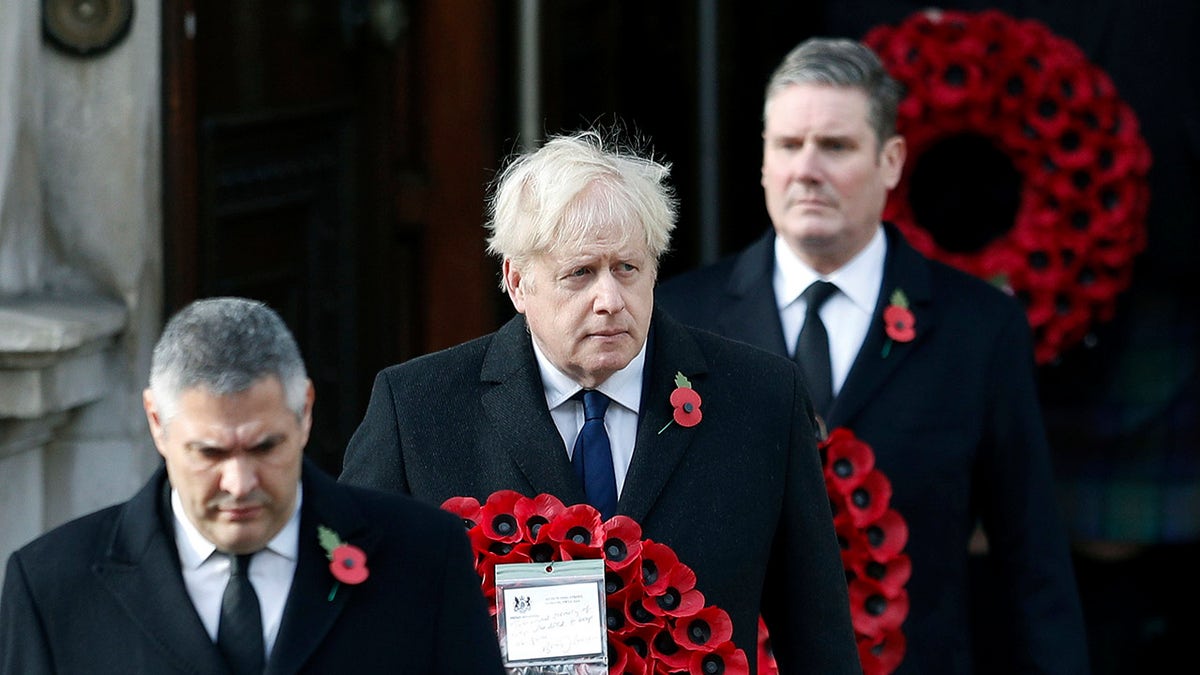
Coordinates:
<point>1025,167</point>
<point>657,620</point>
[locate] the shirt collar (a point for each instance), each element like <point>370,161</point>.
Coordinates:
<point>859,280</point>
<point>623,386</point>
<point>195,549</point>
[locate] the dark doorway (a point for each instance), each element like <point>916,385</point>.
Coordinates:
<point>314,161</point>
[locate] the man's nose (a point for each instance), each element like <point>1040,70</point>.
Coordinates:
<point>239,475</point>
<point>609,298</point>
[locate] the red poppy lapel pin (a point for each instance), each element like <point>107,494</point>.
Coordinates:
<point>347,562</point>
<point>686,402</point>
<point>898,321</point>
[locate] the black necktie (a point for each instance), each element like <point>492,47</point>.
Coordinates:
<point>812,349</point>
<point>240,631</point>
<point>592,456</point>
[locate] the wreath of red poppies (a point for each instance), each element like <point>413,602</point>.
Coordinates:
<point>872,536</point>
<point>1075,146</point>
<point>657,619</point>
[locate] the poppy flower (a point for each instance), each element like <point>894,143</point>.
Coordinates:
<point>664,648</point>
<point>847,460</point>
<point>687,407</point>
<point>658,560</point>
<point>705,629</point>
<point>532,514</point>
<point>869,499</point>
<point>466,508</point>
<point>498,519</point>
<point>882,655</point>
<point>686,402</point>
<point>349,564</point>
<point>1060,121</point>
<point>679,598</point>
<point>577,531</point>
<point>873,612</point>
<point>900,323</point>
<point>891,574</point>
<point>886,535</point>
<point>726,659</point>
<point>622,542</point>
<point>624,660</point>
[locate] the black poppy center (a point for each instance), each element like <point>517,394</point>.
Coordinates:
<point>504,524</point>
<point>613,582</point>
<point>615,550</point>
<point>843,468</point>
<point>541,553</point>
<point>649,572</point>
<point>669,600</point>
<point>688,407</point>
<point>712,665</point>
<point>875,535</point>
<point>699,631</point>
<point>875,605</point>
<point>965,192</point>
<point>955,75</point>
<point>614,618</point>
<point>579,535</point>
<point>861,498</point>
<point>665,644</point>
<point>500,548</point>
<point>640,613</point>
<point>876,570</point>
<point>638,645</point>
<point>534,524</point>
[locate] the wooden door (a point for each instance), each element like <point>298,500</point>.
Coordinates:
<point>329,158</point>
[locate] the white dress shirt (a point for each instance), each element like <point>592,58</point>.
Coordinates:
<point>206,571</point>
<point>846,314</point>
<point>623,387</point>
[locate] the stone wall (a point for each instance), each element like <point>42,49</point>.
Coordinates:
<point>80,269</point>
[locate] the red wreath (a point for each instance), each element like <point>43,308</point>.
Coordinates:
<point>657,620</point>
<point>872,536</point>
<point>1081,160</point>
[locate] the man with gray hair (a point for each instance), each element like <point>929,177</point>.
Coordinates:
<point>947,400</point>
<point>239,555</point>
<point>572,397</point>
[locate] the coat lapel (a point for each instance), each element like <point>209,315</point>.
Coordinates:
<point>906,270</point>
<point>313,604</point>
<point>749,312</point>
<point>515,402</point>
<point>656,454</point>
<point>141,570</point>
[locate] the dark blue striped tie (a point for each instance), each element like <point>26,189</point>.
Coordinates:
<point>592,457</point>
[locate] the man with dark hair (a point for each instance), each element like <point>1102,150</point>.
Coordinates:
<point>945,395</point>
<point>238,555</point>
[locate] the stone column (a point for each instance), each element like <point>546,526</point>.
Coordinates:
<point>80,269</point>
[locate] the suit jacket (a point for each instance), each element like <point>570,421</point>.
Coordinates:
<point>104,594</point>
<point>954,421</point>
<point>739,497</point>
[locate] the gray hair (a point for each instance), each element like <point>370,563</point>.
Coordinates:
<point>225,345</point>
<point>840,62</point>
<point>556,197</point>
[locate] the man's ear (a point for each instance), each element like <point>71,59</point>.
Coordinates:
<point>310,397</point>
<point>155,419</point>
<point>513,279</point>
<point>892,159</point>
